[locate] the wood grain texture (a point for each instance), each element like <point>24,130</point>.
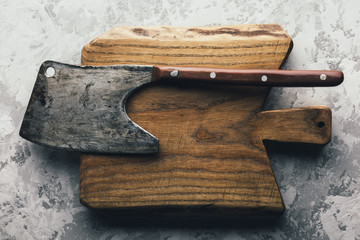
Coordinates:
<point>306,125</point>
<point>250,77</point>
<point>242,47</point>
<point>212,160</point>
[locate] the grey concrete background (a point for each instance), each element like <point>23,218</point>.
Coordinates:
<point>320,186</point>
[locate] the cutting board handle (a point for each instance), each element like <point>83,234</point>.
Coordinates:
<point>305,125</point>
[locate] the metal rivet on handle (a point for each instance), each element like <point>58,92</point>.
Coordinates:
<point>212,75</point>
<point>323,77</point>
<point>264,78</point>
<point>174,73</point>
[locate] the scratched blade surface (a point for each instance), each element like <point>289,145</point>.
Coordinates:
<point>83,109</point>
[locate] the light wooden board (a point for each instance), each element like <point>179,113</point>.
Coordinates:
<point>212,160</point>
<point>242,47</point>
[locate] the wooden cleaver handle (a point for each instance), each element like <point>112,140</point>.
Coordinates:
<point>253,77</point>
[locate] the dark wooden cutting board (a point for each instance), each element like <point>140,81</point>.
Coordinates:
<point>212,160</point>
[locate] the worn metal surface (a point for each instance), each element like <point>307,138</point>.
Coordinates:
<point>83,109</point>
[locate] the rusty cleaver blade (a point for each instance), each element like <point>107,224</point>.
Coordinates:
<point>83,108</point>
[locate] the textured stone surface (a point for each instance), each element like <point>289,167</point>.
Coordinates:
<point>320,186</point>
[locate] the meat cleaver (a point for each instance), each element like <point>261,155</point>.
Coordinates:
<point>83,108</point>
